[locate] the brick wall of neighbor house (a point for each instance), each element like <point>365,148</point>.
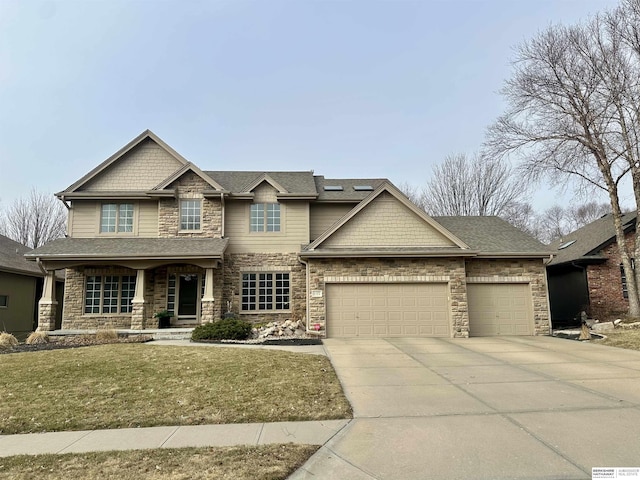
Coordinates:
<point>406,270</point>
<point>73,317</point>
<point>236,264</point>
<point>498,269</point>
<point>605,284</point>
<point>190,186</point>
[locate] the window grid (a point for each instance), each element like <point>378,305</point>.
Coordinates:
<point>109,294</point>
<point>249,291</point>
<point>265,217</point>
<point>265,291</point>
<point>125,218</point>
<point>92,298</point>
<point>171,294</point>
<point>116,217</point>
<point>108,218</point>
<point>128,292</point>
<point>273,217</point>
<point>257,217</point>
<point>190,215</point>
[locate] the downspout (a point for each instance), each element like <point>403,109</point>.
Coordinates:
<point>308,283</point>
<point>39,263</point>
<point>222,215</point>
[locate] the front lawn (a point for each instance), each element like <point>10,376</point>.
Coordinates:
<point>116,386</point>
<point>272,462</point>
<point>623,339</point>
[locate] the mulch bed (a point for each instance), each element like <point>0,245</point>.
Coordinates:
<point>267,341</point>
<point>72,342</point>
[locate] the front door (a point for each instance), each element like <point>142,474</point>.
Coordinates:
<point>188,296</point>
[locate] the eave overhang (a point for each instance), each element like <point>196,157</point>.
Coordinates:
<point>386,253</point>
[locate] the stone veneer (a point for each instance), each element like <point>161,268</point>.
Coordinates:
<point>359,270</point>
<point>47,315</point>
<point>236,264</point>
<point>190,186</point>
<point>516,270</point>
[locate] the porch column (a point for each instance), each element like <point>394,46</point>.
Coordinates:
<point>47,306</point>
<point>137,304</point>
<point>208,302</point>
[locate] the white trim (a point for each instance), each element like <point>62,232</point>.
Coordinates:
<point>390,279</point>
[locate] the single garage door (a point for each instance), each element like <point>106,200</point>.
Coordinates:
<point>499,309</point>
<point>387,310</point>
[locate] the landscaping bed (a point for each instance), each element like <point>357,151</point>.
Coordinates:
<point>72,341</point>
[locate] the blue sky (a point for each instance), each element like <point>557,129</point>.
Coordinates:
<point>345,88</point>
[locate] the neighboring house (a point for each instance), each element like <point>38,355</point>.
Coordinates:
<point>586,272</point>
<point>150,231</point>
<point>20,289</point>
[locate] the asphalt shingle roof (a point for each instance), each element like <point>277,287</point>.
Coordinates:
<point>588,239</point>
<point>236,181</point>
<point>491,235</point>
<point>12,258</point>
<point>348,193</point>
<point>132,247</point>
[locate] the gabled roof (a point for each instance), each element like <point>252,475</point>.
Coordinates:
<point>493,236</point>
<point>147,134</point>
<point>12,258</point>
<point>392,190</point>
<point>238,182</point>
<point>188,167</point>
<point>589,240</point>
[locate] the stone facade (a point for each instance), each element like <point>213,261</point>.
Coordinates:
<point>235,265</point>
<point>517,270</point>
<point>359,270</point>
<point>605,283</point>
<point>47,315</point>
<point>190,186</point>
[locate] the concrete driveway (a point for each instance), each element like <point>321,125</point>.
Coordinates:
<point>485,408</point>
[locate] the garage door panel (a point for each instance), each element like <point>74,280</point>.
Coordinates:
<point>500,309</point>
<point>384,309</point>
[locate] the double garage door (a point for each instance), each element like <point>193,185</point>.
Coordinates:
<point>422,309</point>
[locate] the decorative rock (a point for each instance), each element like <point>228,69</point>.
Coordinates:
<point>603,327</point>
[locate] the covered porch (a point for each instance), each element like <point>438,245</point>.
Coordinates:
<point>129,283</point>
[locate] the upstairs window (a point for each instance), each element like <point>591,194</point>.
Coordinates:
<point>116,218</point>
<point>190,214</point>
<point>265,217</point>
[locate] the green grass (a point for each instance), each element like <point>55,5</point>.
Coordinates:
<point>136,385</point>
<point>266,462</point>
<point>629,339</point>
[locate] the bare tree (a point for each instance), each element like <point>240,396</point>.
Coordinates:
<point>414,194</point>
<point>34,220</point>
<point>574,112</point>
<point>477,185</point>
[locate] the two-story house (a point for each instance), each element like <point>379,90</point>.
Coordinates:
<point>149,231</point>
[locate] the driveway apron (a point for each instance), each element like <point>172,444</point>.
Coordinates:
<point>482,408</point>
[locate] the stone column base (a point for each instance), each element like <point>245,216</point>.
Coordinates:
<point>47,315</point>
<point>137,315</point>
<point>207,311</point>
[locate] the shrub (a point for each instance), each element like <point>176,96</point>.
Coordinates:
<point>225,329</point>
<point>7,340</point>
<point>37,338</point>
<point>106,335</point>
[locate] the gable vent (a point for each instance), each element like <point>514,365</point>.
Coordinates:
<point>363,188</point>
<point>333,188</point>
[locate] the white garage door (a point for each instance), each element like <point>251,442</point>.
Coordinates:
<point>387,310</point>
<point>500,309</point>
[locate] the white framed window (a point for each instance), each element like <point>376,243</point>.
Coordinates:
<point>190,212</point>
<point>109,294</point>
<point>116,218</point>
<point>4,301</point>
<point>265,291</point>
<point>265,217</point>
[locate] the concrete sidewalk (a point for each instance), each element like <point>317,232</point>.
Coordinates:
<point>312,433</point>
